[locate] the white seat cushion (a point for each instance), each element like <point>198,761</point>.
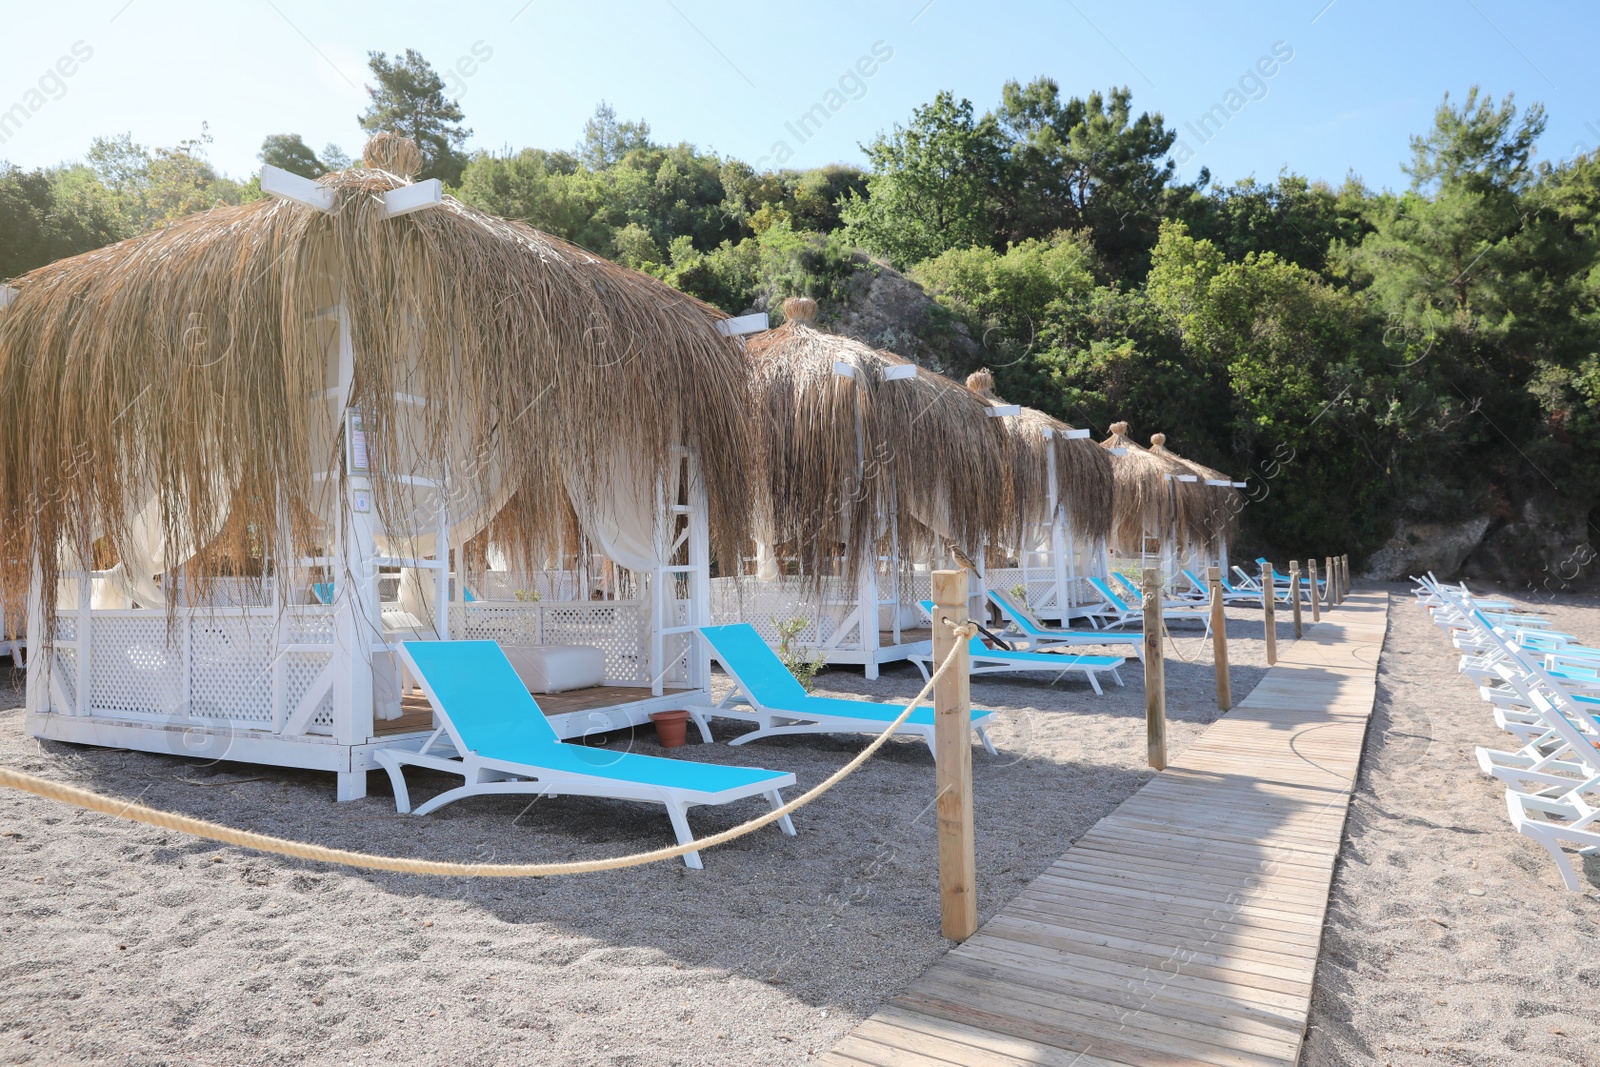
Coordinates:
<point>557,668</point>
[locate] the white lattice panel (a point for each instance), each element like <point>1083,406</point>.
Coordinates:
<point>64,666</point>
<point>310,626</point>
<point>230,660</point>
<point>300,670</point>
<point>135,666</point>
<point>765,604</point>
<point>619,628</point>
<point>1041,587</point>
<point>916,586</point>
<point>1083,594</point>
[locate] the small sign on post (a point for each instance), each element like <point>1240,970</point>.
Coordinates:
<point>952,748</point>
<point>1294,595</point>
<point>1269,611</point>
<point>1316,592</point>
<point>1219,639</point>
<point>1155,674</point>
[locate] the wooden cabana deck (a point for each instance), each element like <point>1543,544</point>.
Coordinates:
<point>1183,929</point>
<point>417,716</point>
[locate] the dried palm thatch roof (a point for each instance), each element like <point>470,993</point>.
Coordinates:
<point>1222,502</point>
<point>1146,502</point>
<point>1082,471</point>
<point>182,371</point>
<point>924,451</point>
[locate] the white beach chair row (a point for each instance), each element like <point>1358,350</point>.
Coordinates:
<point>1543,687</point>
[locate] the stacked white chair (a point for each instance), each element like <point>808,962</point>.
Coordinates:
<point>1544,689</point>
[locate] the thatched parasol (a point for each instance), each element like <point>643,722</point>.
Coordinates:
<point>180,375</point>
<point>1222,502</point>
<point>923,451</point>
<point>1147,502</point>
<point>1083,472</point>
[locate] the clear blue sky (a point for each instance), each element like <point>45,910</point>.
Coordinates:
<point>728,76</point>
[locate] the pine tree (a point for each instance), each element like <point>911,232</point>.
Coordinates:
<point>409,99</point>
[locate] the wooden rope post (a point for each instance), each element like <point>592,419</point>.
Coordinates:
<point>1269,611</point>
<point>1333,582</point>
<point>1316,592</point>
<point>1344,571</point>
<point>1294,596</point>
<point>1155,673</point>
<point>1338,585</point>
<point>1219,639</point>
<point>952,744</point>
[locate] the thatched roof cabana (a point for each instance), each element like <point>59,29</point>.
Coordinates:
<point>1149,503</point>
<point>1223,503</point>
<point>843,454</point>
<point>183,379</point>
<point>1082,471</point>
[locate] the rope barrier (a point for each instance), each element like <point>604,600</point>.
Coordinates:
<point>229,835</point>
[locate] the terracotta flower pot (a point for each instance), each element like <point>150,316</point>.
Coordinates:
<point>672,727</point>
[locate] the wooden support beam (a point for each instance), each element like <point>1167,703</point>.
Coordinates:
<point>1294,597</point>
<point>409,198</point>
<point>952,703</point>
<point>284,185</point>
<point>1155,674</point>
<point>1316,592</point>
<point>743,324</point>
<point>1219,639</point>
<point>1269,611</point>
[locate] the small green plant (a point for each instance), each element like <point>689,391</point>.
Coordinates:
<point>1019,593</point>
<point>529,596</point>
<point>803,665</point>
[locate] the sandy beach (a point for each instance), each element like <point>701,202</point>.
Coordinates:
<point>1449,937</point>
<point>127,945</point>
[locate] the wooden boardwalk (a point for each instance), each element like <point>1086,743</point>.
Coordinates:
<point>1184,927</point>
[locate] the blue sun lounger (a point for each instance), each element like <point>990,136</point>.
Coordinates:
<point>1230,592</point>
<point>1122,613</point>
<point>986,660</point>
<point>1040,637</point>
<point>766,694</point>
<point>496,737</point>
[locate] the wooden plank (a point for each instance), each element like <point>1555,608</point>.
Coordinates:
<point>952,742</point>
<point>1184,927</point>
<point>1028,983</point>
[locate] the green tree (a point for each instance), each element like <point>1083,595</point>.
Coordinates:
<point>46,215</point>
<point>606,141</point>
<point>152,187</point>
<point>1296,219</point>
<point>933,186</point>
<point>1083,164</point>
<point>540,188</point>
<point>409,99</point>
<point>287,151</point>
<point>1448,246</point>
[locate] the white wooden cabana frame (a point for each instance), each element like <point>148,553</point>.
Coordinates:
<point>1052,565</point>
<point>299,684</point>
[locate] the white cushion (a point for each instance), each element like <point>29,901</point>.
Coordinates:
<point>557,668</point>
